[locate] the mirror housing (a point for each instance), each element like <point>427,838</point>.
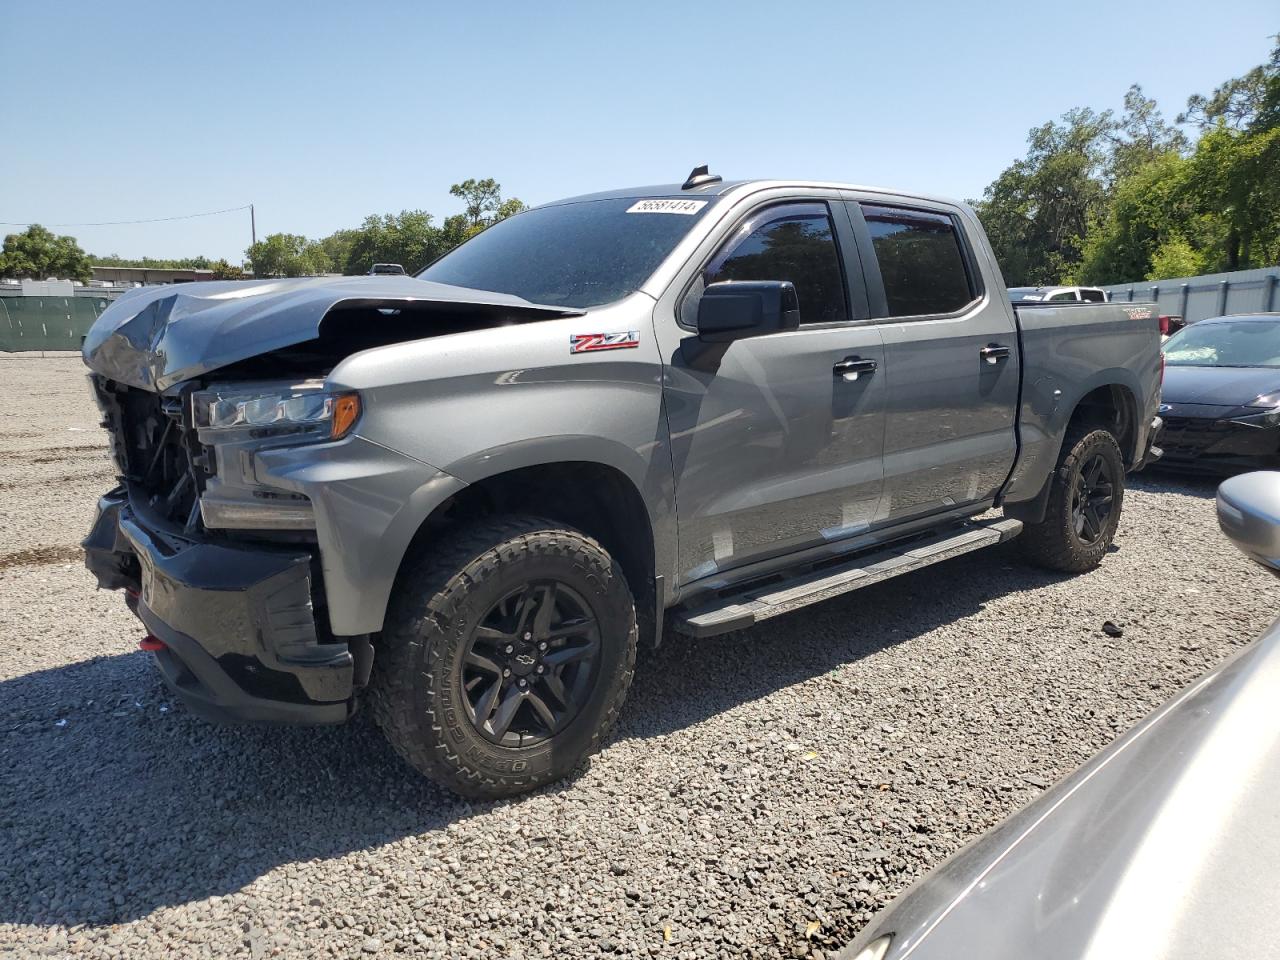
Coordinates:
<point>1249,514</point>
<point>736,309</point>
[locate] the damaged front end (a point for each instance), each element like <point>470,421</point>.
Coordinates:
<point>244,484</point>
<point>240,616</point>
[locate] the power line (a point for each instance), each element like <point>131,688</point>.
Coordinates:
<point>121,223</point>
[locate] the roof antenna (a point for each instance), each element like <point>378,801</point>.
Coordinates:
<point>700,178</point>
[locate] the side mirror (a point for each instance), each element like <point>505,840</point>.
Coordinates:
<point>1249,514</point>
<point>735,309</point>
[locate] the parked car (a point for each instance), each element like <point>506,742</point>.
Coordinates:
<point>1058,295</point>
<point>1221,395</point>
<point>387,270</point>
<point>465,497</point>
<point>1165,845</point>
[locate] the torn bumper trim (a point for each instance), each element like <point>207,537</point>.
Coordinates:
<point>237,621</point>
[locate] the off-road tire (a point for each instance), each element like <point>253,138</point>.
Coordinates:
<point>1053,543</point>
<point>442,590</point>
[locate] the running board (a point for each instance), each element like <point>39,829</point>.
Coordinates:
<point>765,600</point>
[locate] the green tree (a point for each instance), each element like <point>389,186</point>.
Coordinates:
<point>1140,136</point>
<point>1175,258</point>
<point>287,255</point>
<point>1146,210</point>
<point>38,254</point>
<point>408,238</point>
<point>337,246</point>
<point>222,270</point>
<point>484,205</point>
<point>1037,212</point>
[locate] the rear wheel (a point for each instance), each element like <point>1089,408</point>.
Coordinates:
<point>1085,498</point>
<point>508,651</point>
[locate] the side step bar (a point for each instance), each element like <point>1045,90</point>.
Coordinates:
<point>765,600</point>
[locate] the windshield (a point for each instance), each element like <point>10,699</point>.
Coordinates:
<point>574,254</point>
<point>1240,343</point>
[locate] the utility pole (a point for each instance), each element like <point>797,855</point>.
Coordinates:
<point>253,225</point>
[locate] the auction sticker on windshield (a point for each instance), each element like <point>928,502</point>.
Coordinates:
<point>687,207</point>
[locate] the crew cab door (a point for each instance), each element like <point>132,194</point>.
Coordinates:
<point>951,358</point>
<point>776,440</point>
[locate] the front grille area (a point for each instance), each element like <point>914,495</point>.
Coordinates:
<point>1185,438</point>
<point>150,439</point>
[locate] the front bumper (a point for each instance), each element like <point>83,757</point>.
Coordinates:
<point>240,634</point>
<point>1215,445</point>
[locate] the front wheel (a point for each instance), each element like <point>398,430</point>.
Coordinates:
<point>1085,498</point>
<point>508,651</point>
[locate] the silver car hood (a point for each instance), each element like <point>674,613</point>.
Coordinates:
<point>154,337</point>
<point>1165,845</point>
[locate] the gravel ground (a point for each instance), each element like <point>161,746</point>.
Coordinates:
<point>765,794</point>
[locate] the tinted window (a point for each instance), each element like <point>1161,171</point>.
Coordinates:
<point>1093,296</point>
<point>793,242</point>
<point>921,263</point>
<point>1064,295</point>
<point>573,254</point>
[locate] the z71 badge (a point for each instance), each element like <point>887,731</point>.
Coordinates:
<point>591,342</point>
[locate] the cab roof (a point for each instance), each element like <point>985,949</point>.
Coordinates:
<point>722,188</point>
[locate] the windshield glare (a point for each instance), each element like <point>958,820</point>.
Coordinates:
<point>574,254</point>
<point>1242,343</point>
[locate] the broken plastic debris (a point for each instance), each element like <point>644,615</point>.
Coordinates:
<point>1111,630</point>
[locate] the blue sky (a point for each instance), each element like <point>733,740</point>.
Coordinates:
<point>321,113</point>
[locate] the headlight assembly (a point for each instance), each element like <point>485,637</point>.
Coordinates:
<point>1268,418</point>
<point>275,410</point>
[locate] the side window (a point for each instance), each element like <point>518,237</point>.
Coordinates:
<point>793,242</point>
<point>1093,296</point>
<point>1064,295</point>
<point>921,261</point>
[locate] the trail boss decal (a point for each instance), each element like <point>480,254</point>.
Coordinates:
<point>1138,313</point>
<point>591,342</point>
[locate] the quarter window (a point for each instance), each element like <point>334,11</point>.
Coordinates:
<point>922,264</point>
<point>793,242</point>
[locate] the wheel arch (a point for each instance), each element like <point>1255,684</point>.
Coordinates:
<point>596,498</point>
<point>1111,404</point>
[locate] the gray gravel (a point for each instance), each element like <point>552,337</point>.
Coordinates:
<point>766,793</point>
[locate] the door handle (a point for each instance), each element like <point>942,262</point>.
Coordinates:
<point>850,368</point>
<point>994,352</point>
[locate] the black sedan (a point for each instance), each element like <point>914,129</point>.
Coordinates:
<point>1221,398</point>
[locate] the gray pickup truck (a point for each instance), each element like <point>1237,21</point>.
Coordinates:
<point>464,497</point>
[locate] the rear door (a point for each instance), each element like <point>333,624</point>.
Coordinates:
<point>951,358</point>
<point>776,446</point>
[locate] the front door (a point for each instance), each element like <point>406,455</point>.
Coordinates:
<point>778,446</point>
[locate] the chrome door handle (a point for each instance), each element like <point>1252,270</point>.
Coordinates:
<point>850,368</point>
<point>994,352</point>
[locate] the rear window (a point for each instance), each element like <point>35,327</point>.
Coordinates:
<point>921,261</point>
<point>573,254</point>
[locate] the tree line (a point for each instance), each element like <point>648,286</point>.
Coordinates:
<point>1098,198</point>
<point>411,238</point>
<point>1101,198</point>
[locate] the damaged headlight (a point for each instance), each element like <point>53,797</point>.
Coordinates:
<point>269,410</point>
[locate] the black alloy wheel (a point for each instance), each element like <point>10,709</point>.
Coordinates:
<point>1091,499</point>
<point>530,664</point>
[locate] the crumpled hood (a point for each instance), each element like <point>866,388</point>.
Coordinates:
<point>154,337</point>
